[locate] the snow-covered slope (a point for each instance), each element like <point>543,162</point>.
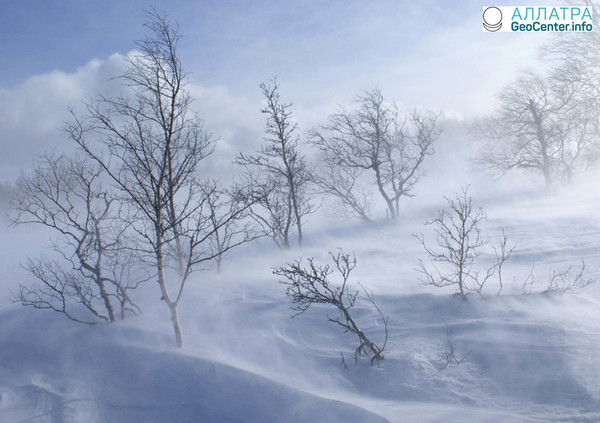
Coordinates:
<point>525,358</point>
<point>58,372</point>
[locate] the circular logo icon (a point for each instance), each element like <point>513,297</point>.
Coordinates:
<point>492,19</point>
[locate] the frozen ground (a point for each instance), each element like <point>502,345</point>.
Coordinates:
<point>527,358</point>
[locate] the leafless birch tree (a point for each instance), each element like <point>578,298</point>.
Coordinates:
<point>153,145</point>
<point>66,195</point>
<point>375,137</point>
<point>571,279</point>
<point>228,232</point>
<point>458,244</point>
<point>310,284</point>
<point>547,123</point>
<point>575,57</point>
<point>346,186</point>
<point>279,174</point>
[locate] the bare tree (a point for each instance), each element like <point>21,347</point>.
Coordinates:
<point>272,209</point>
<point>66,195</point>
<point>575,56</point>
<point>545,123</point>
<point>502,252</point>
<point>459,242</point>
<point>573,62</point>
<point>344,184</point>
<point>279,172</point>
<point>230,233</point>
<point>375,137</point>
<point>571,279</point>
<point>450,355</point>
<point>154,144</point>
<point>311,285</point>
<point>578,125</point>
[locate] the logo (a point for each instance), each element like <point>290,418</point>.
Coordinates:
<point>492,19</point>
<point>537,19</point>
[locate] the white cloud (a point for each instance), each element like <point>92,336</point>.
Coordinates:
<point>456,69</point>
<point>33,112</point>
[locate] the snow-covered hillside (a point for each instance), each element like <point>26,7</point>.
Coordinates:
<point>525,358</point>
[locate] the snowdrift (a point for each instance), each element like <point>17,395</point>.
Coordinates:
<point>519,358</point>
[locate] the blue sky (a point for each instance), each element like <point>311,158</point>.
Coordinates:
<point>239,42</point>
<point>220,36</point>
<point>41,35</point>
<point>430,53</point>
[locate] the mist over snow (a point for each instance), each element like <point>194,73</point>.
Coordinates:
<point>521,352</point>
<point>526,357</point>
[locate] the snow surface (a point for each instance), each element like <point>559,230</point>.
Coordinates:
<point>527,358</point>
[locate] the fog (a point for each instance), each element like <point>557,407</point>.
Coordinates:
<point>521,352</point>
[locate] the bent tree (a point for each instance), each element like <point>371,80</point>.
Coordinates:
<point>310,283</point>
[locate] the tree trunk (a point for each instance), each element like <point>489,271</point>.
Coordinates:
<point>176,325</point>
<point>98,275</point>
<point>296,209</point>
<point>388,200</point>
<point>542,140</point>
<point>106,299</point>
<point>364,341</point>
<point>163,289</point>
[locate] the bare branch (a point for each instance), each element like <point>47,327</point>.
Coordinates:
<point>376,138</point>
<point>66,195</point>
<point>459,241</point>
<point>571,279</point>
<point>151,148</point>
<point>310,284</point>
<point>548,123</point>
<point>279,172</point>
